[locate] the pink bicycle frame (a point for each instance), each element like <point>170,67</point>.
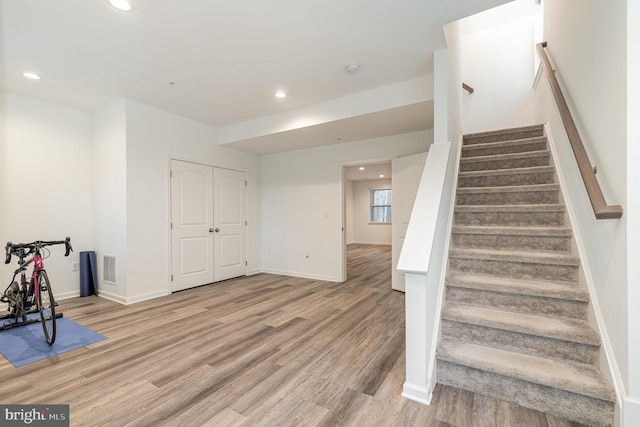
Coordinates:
<point>37,260</point>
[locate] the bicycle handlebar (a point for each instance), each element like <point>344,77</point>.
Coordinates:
<point>13,248</point>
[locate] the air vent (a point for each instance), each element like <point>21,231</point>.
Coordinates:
<point>109,270</point>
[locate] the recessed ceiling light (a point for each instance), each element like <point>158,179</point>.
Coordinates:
<point>122,5</point>
<point>353,68</point>
<point>361,168</point>
<point>381,176</point>
<point>30,75</point>
<point>280,94</point>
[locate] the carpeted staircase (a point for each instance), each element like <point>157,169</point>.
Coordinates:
<point>514,322</point>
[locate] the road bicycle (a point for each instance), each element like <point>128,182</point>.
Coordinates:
<point>35,295</point>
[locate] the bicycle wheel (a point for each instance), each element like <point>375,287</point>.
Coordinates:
<point>47,307</point>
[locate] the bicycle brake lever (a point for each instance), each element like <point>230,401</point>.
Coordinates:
<point>8,248</point>
<point>67,246</point>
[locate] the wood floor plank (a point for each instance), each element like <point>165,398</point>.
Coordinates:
<point>347,409</point>
<point>264,350</point>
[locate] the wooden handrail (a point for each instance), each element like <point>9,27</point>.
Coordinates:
<point>598,203</point>
<point>467,88</point>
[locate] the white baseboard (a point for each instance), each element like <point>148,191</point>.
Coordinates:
<point>370,243</point>
<point>111,296</point>
<point>131,300</point>
<point>66,295</point>
<point>417,393</point>
<point>145,297</point>
<point>302,275</point>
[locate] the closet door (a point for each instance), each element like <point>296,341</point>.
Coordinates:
<point>229,219</point>
<point>191,225</point>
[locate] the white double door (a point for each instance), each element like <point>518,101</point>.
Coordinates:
<point>208,224</point>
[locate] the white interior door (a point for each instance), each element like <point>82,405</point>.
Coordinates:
<point>229,224</point>
<point>191,222</point>
<point>405,179</point>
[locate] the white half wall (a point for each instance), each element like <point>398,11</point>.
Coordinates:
<point>45,183</point>
<point>302,202</point>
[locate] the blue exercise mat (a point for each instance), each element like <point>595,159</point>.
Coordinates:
<point>26,344</point>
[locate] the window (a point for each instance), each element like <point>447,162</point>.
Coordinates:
<point>380,205</point>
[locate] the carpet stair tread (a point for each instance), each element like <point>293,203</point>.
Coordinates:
<point>513,171</point>
<point>564,329</point>
<point>510,189</point>
<point>507,146</point>
<point>508,156</point>
<point>513,231</point>
<point>506,176</point>
<point>503,134</point>
<point>551,207</point>
<point>549,289</point>
<point>579,379</point>
<point>532,257</point>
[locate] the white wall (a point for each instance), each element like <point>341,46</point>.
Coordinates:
<point>498,62</point>
<point>364,231</point>
<point>153,138</point>
<point>45,182</point>
<point>587,43</point>
<point>109,192</point>
<point>302,202</point>
<point>348,211</point>
<point>448,74</point>
<point>632,406</point>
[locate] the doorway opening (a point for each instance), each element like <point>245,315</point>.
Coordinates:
<point>365,220</point>
<point>367,190</point>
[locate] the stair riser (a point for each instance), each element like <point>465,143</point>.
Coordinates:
<point>515,270</point>
<point>527,304</point>
<point>510,136</point>
<point>509,219</point>
<point>575,407</point>
<point>509,198</point>
<point>477,149</point>
<point>501,241</point>
<point>484,165</point>
<point>551,348</point>
<point>505,180</point>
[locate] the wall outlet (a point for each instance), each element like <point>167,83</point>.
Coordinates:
<point>75,266</point>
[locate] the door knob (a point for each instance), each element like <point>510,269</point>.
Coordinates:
<point>211,230</point>
<point>217,230</point>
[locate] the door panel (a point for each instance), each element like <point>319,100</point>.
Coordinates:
<point>229,222</point>
<point>191,220</point>
<point>405,179</point>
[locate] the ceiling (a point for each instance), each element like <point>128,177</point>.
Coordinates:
<point>370,171</point>
<point>220,62</point>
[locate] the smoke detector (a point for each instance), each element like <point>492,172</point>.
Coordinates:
<point>353,68</point>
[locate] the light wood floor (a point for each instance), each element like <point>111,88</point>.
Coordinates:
<point>258,351</point>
